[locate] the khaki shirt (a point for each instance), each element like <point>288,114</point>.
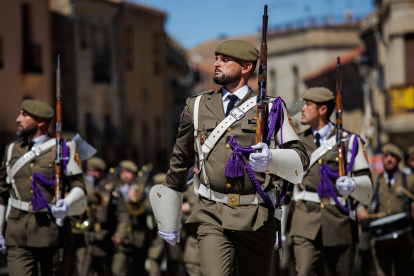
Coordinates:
<point>309,217</point>
<point>211,113</point>
<point>27,228</point>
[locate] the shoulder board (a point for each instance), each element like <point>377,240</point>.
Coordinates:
<point>204,92</point>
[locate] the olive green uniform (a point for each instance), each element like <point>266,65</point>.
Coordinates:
<point>34,238</point>
<point>225,234</point>
<point>111,219</point>
<point>131,255</point>
<point>397,252</point>
<point>321,231</point>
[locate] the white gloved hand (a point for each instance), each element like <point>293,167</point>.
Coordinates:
<point>345,185</point>
<point>3,248</point>
<point>60,209</point>
<point>171,237</point>
<point>259,161</point>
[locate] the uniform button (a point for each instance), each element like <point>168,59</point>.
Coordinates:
<point>320,161</point>
<point>228,185</point>
<point>50,165</point>
<point>31,177</point>
<point>336,159</point>
<point>228,146</point>
<point>254,128</point>
<point>31,191</point>
<point>322,205</point>
<point>202,128</point>
<point>389,211</point>
<point>31,165</point>
<point>229,129</point>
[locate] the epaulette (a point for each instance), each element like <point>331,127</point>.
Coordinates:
<point>204,92</point>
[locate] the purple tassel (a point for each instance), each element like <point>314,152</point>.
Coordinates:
<point>229,168</point>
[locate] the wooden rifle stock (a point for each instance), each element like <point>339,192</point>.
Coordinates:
<point>58,136</point>
<point>338,126</point>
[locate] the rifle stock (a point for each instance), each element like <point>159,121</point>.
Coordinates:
<point>338,126</point>
<point>58,136</point>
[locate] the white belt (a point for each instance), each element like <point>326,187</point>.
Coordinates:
<point>25,205</point>
<point>314,197</point>
<point>235,199</point>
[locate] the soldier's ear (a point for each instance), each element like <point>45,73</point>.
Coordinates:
<point>247,67</point>
<point>323,110</point>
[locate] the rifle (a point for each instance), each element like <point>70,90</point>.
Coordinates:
<point>261,114</point>
<point>339,134</point>
<point>58,137</point>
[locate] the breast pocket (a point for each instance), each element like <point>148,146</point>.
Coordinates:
<point>249,130</point>
<point>206,127</point>
<point>44,167</point>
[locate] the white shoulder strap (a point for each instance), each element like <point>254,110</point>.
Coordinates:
<point>195,115</point>
<point>9,155</point>
<point>235,115</point>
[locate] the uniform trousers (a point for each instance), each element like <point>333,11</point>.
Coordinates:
<point>27,261</point>
<point>312,258</point>
<point>125,260</point>
<point>89,265</point>
<point>227,252</point>
<point>393,254</point>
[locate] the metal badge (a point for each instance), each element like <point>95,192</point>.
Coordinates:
<point>233,200</point>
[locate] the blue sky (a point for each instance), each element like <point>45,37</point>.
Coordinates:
<point>192,22</point>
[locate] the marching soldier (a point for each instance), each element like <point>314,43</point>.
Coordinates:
<point>110,222</point>
<point>233,217</point>
<point>321,227</point>
<point>162,256</point>
<point>393,249</point>
<point>132,249</point>
<point>409,161</point>
<point>33,237</point>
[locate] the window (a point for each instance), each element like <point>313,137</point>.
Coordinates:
<point>32,53</point>
<point>156,53</point>
<point>1,53</point>
<point>101,55</point>
<point>295,83</point>
<point>409,58</point>
<point>273,83</point>
<point>83,35</point>
<point>128,50</point>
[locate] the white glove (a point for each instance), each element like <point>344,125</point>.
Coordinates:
<point>124,193</point>
<point>345,185</point>
<point>283,241</point>
<point>170,237</point>
<point>60,209</point>
<point>3,248</point>
<point>259,161</point>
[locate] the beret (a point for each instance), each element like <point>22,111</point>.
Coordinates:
<point>410,150</point>
<point>38,108</point>
<point>128,165</point>
<point>96,163</point>
<point>159,178</point>
<point>238,49</point>
<point>392,149</point>
<point>318,94</point>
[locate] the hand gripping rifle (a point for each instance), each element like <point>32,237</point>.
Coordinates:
<point>261,113</point>
<point>339,134</point>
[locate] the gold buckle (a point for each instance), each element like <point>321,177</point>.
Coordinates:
<point>233,200</point>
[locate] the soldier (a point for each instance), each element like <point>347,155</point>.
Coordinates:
<point>132,250</point>
<point>322,229</point>
<point>110,223</point>
<point>33,237</point>
<point>392,254</point>
<point>162,256</point>
<point>409,161</point>
<point>233,217</point>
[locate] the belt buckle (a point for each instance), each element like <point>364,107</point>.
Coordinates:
<point>235,116</point>
<point>37,151</point>
<point>233,200</point>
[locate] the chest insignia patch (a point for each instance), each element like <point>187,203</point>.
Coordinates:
<point>292,124</point>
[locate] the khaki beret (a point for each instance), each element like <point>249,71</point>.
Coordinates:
<point>128,165</point>
<point>410,150</point>
<point>392,149</point>
<point>159,178</point>
<point>239,49</point>
<point>38,108</point>
<point>95,163</point>
<point>318,94</point>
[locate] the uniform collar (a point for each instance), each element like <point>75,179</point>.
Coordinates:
<point>240,93</point>
<point>39,139</point>
<point>324,131</point>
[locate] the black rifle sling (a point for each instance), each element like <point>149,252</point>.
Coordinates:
<point>374,202</point>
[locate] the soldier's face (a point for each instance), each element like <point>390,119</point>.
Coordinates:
<point>410,161</point>
<point>127,176</point>
<point>227,70</point>
<point>26,124</point>
<point>390,162</point>
<point>310,113</point>
<point>98,174</point>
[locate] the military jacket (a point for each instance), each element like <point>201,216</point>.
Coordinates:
<point>184,155</point>
<point>310,217</point>
<point>138,233</point>
<point>391,200</point>
<point>111,219</point>
<point>34,229</point>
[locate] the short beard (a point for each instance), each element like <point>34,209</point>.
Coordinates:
<point>26,132</point>
<point>226,80</point>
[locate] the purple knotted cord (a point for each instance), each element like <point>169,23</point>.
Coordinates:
<point>234,166</point>
<point>325,188</point>
<point>38,200</point>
